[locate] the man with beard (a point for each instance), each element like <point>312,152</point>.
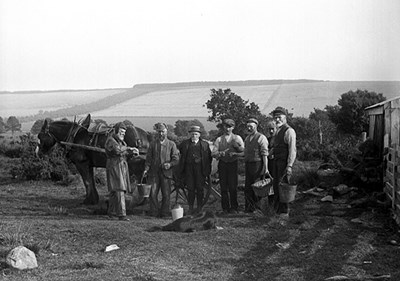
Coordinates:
<point>161,156</point>
<point>256,162</point>
<point>117,171</point>
<point>284,149</point>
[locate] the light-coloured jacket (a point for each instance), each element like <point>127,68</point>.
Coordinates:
<point>117,166</point>
<point>159,154</point>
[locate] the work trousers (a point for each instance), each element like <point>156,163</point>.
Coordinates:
<point>195,183</point>
<point>116,204</point>
<point>279,167</point>
<point>160,182</point>
<point>253,173</point>
<point>228,181</point>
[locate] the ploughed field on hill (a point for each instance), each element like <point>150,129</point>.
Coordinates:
<point>146,103</point>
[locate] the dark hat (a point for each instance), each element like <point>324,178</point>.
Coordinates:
<point>160,127</point>
<point>120,125</point>
<point>252,120</point>
<point>194,129</point>
<point>279,110</point>
<point>229,122</point>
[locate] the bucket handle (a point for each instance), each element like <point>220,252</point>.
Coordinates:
<point>143,177</point>
<point>281,179</point>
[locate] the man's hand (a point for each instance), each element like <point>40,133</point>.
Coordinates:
<point>134,150</point>
<point>289,171</point>
<point>264,170</point>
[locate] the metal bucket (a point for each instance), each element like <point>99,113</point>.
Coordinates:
<point>144,189</point>
<point>287,192</point>
<point>177,212</point>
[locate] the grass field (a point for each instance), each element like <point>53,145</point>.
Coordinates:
<point>319,241</point>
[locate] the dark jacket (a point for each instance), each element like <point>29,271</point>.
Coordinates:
<point>205,157</point>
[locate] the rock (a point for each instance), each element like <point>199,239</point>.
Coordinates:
<point>111,247</point>
<point>342,189</point>
<point>21,258</point>
<point>328,198</point>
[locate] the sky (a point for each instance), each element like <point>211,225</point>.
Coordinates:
<point>96,44</point>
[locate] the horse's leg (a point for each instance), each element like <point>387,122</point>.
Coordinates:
<point>87,174</point>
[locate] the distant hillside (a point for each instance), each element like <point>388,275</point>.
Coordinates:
<point>300,98</point>
<point>110,99</point>
<point>145,103</point>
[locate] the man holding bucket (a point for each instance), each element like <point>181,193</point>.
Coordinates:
<point>284,151</point>
<point>256,162</point>
<point>161,156</point>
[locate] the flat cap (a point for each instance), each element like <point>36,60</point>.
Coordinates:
<point>120,125</point>
<point>229,122</point>
<point>194,129</point>
<point>160,127</point>
<point>279,110</point>
<point>252,120</point>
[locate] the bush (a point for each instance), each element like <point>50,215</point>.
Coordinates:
<point>11,149</point>
<point>53,166</point>
<point>338,150</point>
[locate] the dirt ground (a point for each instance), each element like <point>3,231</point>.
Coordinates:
<point>352,238</point>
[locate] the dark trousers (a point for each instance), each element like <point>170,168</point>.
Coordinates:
<point>195,183</point>
<point>228,180</point>
<point>279,168</point>
<point>253,173</point>
<point>160,182</point>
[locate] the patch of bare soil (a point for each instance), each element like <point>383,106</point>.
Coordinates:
<point>321,240</point>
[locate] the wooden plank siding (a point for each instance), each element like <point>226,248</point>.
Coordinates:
<point>384,130</point>
<point>392,180</point>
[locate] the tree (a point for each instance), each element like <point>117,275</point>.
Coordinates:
<point>350,116</point>
<point>226,104</point>
<point>2,126</point>
<point>182,127</point>
<point>13,124</point>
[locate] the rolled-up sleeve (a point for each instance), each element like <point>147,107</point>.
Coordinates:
<point>263,142</point>
<point>215,149</point>
<point>290,139</point>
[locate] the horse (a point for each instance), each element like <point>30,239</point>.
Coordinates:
<point>63,132</point>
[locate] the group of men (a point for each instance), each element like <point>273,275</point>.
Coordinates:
<point>271,156</point>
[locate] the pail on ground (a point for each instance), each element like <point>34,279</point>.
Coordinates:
<point>144,189</point>
<point>287,192</point>
<point>177,212</point>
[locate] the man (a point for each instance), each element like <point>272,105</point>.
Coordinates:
<point>195,167</point>
<point>256,162</point>
<point>117,171</point>
<point>161,156</point>
<point>271,131</point>
<point>284,148</point>
<point>226,149</point>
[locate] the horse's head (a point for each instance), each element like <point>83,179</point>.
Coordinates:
<point>46,140</point>
<point>54,132</point>
<point>137,137</point>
